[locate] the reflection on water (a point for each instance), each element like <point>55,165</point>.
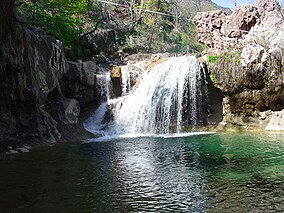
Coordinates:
<point>209,173</point>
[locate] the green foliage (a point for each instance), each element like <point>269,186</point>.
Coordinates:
<point>268,85</point>
<point>60,18</point>
<point>131,29</point>
<point>212,58</point>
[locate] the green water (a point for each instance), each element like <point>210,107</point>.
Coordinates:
<point>213,173</point>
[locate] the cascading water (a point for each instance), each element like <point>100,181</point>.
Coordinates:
<point>103,85</point>
<point>169,96</point>
<point>125,75</point>
<point>96,123</point>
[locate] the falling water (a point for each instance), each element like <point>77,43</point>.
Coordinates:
<point>168,94</point>
<point>103,85</point>
<point>168,97</point>
<point>125,75</point>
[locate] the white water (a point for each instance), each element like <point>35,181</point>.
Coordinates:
<point>175,135</point>
<point>104,85</point>
<point>125,75</point>
<point>166,95</point>
<point>95,123</point>
<point>157,105</point>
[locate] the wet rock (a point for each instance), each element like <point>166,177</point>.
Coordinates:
<point>116,81</point>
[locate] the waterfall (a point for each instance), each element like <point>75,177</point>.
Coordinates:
<point>103,85</point>
<point>125,75</point>
<point>168,97</point>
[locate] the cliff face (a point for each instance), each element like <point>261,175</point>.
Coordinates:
<point>33,71</point>
<point>245,61</point>
<point>31,103</point>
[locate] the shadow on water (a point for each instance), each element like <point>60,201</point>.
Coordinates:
<point>221,172</point>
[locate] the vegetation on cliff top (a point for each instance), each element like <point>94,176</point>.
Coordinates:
<point>91,27</point>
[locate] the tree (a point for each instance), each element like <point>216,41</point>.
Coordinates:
<point>63,19</point>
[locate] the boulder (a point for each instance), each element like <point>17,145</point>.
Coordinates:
<point>116,79</point>
<point>252,54</point>
<point>79,82</point>
<point>68,111</point>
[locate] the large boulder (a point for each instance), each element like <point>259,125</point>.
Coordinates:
<point>79,81</point>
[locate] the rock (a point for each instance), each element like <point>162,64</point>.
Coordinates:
<point>253,54</point>
<point>208,26</point>
<point>6,18</point>
<point>115,72</point>
<point>11,152</point>
<point>247,48</point>
<point>219,31</point>
<point>32,106</point>
<point>22,150</point>
<point>261,23</point>
<point>269,32</point>
<point>79,82</point>
<point>116,81</point>
<point>240,21</point>
<point>277,121</point>
<point>69,111</point>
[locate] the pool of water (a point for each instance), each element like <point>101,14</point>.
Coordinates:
<point>226,172</point>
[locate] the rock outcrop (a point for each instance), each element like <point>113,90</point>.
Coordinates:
<point>33,107</point>
<point>219,31</point>
<point>245,60</point>
<point>79,81</point>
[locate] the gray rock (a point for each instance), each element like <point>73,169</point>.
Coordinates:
<point>69,111</point>
<point>79,82</point>
<point>12,152</point>
<point>31,66</point>
<point>22,150</point>
<point>253,54</point>
<point>248,46</point>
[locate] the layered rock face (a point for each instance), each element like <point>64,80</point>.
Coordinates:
<point>33,74</point>
<point>32,105</point>
<point>245,61</point>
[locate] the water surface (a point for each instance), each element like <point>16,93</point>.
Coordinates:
<point>208,173</point>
